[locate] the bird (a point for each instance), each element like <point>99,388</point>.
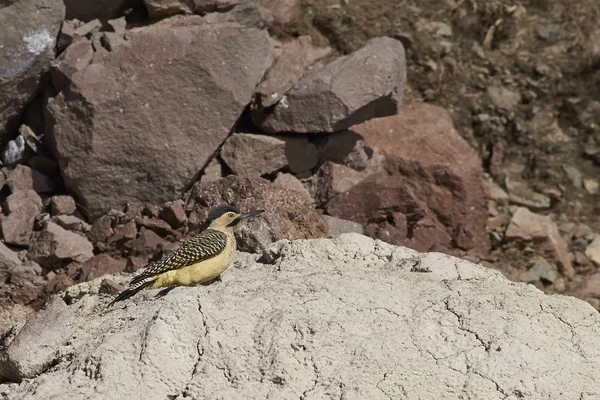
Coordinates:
<point>200,259</point>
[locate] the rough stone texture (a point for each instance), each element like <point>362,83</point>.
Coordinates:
<point>99,265</point>
<point>287,214</point>
<point>164,8</point>
<point>366,84</point>
<point>54,245</point>
<point>23,177</point>
<point>17,226</point>
<point>212,172</point>
<point>289,181</point>
<point>64,205</point>
<point>346,148</point>
<point>253,155</point>
<point>102,9</point>
<point>539,231</point>
<point>76,57</point>
<point>333,179</point>
<point>29,31</point>
<point>287,69</point>
<point>71,223</point>
<point>186,80</point>
<point>173,213</point>
<point>337,226</point>
<point>592,251</point>
<point>433,193</point>
<point>101,230</point>
<point>348,318</point>
<point>8,261</point>
<point>281,12</point>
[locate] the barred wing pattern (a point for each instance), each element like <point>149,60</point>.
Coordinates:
<point>198,248</point>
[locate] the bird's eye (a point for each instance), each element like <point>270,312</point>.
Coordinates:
<point>231,215</point>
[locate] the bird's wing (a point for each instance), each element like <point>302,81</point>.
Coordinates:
<point>203,246</point>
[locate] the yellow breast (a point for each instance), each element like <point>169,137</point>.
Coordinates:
<point>195,274</point>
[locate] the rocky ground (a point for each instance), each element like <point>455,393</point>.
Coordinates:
<point>350,317</point>
<point>464,127</point>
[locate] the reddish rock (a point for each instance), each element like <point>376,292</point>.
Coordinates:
<point>157,225</point>
<point>281,12</point>
<point>145,244</point>
<point>110,287</point>
<point>99,265</point>
<point>173,213</point>
<point>59,283</point>
<point>295,57</point>
<point>287,216</point>
<point>540,232</point>
<point>366,84</point>
<point>151,78</point>
<point>62,205</point>
<point>123,234</point>
<point>135,263</point>
<point>589,288</point>
<point>289,181</point>
<point>433,178</point>
<point>27,48</point>
<point>101,230</point>
<point>337,226</point>
<point>55,245</point>
<point>23,177</point>
<point>76,57</point>
<point>23,207</point>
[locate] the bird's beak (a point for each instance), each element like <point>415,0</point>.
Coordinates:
<point>249,214</point>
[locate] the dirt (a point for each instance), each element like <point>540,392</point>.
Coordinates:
<point>543,55</point>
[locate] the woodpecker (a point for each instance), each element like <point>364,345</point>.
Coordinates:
<point>198,260</point>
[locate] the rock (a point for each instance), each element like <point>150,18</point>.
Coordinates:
<point>574,176</point>
<point>253,155</point>
<point>72,223</point>
<point>289,181</point>
<point>503,98</point>
<point>278,13</point>
<point>63,205</point>
<point>101,230</point>
<point>496,192</point>
<point>157,225</point>
<point>212,172</point>
<point>337,226</point>
<point>345,147</point>
<point>247,13</point>
<point>104,9</point>
<point>287,214</point>
<point>8,261</point>
<point>278,329</point>
<point>55,245</point>
<point>435,181</point>
<point>23,206</point>
<point>25,56</point>
<point>173,213</point>
<point>13,315</point>
<point>366,84</point>
<point>300,153</point>
<point>520,193</point>
<point>296,56</point>
<point>540,232</point>
<point>145,245</point>
<point>591,186</point>
<point>76,57</point>
<point>188,92</point>
<point>24,178</point>
<point>541,270</point>
<point>99,265</point>
<point>65,37</point>
<point>14,151</point>
<point>163,8</point>
<point>20,198</point>
<point>333,179</point>
<point>589,288</point>
<point>26,275</point>
<point>592,251</point>
<point>123,234</point>
<point>111,40</point>
<point>110,287</point>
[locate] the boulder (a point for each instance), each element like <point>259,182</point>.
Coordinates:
<point>539,231</point>
<point>62,205</point>
<point>289,181</point>
<point>278,13</point>
<point>99,265</point>
<point>30,29</point>
<point>288,214</point>
<point>54,246</point>
<point>8,261</point>
<point>76,57</point>
<point>177,87</point>
<point>23,206</point>
<point>173,213</point>
<point>23,177</point>
<point>433,187</point>
<point>337,226</point>
<point>349,318</point>
<point>352,89</point>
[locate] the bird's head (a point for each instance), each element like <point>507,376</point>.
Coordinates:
<point>228,217</point>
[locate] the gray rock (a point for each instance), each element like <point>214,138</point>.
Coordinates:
<point>520,193</point>
<point>366,84</point>
<point>8,261</point>
<point>23,177</point>
<point>592,251</point>
<point>23,206</point>
<point>71,223</point>
<point>76,57</point>
<point>541,270</point>
<point>338,226</point>
<point>253,155</point>
<point>62,205</point>
<point>345,318</point>
<point>54,245</point>
<point>30,28</point>
<point>14,151</point>
<point>574,176</point>
<point>503,98</point>
<point>192,82</point>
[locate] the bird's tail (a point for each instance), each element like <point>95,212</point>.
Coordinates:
<point>136,286</point>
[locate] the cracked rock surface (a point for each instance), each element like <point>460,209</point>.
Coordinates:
<point>347,318</point>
